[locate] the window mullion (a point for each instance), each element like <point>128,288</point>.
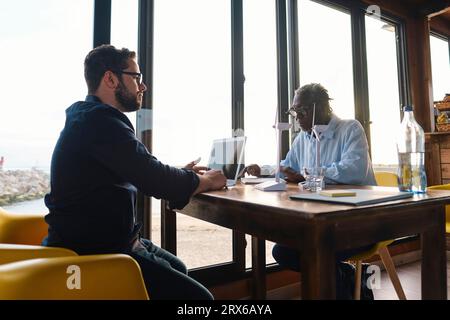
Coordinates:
<point>237,62</point>
<point>282,63</point>
<point>145,52</point>
<point>102,22</point>
<point>360,77</point>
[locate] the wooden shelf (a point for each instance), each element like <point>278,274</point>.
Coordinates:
<point>437,158</point>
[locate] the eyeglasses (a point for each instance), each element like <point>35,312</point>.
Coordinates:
<point>300,112</point>
<point>137,75</point>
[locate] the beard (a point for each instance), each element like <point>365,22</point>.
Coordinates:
<point>127,100</point>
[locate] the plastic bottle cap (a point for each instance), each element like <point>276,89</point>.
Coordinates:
<point>408,108</point>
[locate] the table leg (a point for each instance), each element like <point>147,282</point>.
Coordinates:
<point>168,228</point>
<point>434,260</point>
<point>318,269</point>
<point>259,268</point>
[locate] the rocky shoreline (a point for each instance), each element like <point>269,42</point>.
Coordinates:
<point>23,185</point>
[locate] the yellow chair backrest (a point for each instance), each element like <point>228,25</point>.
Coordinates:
<point>22,228</point>
<point>386,179</point>
<point>97,277</point>
<point>18,252</point>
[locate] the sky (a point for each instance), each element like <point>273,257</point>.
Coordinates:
<point>43,45</point>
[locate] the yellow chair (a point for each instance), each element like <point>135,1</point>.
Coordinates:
<point>386,179</point>
<point>21,273</point>
<point>96,277</point>
<point>447,207</point>
<point>22,228</point>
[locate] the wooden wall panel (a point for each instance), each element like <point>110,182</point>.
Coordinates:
<point>445,155</point>
<point>445,170</point>
<point>432,159</point>
<point>419,61</point>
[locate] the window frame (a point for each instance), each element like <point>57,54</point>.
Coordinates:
<point>439,35</point>
<point>357,11</point>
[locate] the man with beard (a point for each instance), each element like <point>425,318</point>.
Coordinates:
<point>344,154</point>
<point>97,167</point>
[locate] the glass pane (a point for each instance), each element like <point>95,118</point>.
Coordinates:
<point>325,53</point>
<point>384,94</point>
<point>248,252</point>
<point>200,243</point>
<point>124,30</point>
<point>156,221</point>
<point>45,45</point>
<point>440,67</point>
<point>192,95</point>
<point>260,67</point>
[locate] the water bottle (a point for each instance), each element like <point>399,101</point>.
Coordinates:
<point>411,154</point>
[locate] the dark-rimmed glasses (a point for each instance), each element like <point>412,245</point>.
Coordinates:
<point>300,112</point>
<point>137,75</point>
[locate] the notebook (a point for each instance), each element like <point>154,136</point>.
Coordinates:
<point>227,155</point>
<point>361,197</point>
<point>257,180</point>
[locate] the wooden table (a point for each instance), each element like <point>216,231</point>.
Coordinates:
<point>319,230</point>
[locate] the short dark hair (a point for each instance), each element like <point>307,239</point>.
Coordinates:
<point>315,93</point>
<point>101,59</point>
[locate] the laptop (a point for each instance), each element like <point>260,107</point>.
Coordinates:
<point>227,155</point>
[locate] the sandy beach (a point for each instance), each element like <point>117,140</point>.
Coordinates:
<point>200,243</point>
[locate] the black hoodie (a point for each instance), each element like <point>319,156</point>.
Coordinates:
<point>97,167</point>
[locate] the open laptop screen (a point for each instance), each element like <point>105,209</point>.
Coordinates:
<point>227,155</point>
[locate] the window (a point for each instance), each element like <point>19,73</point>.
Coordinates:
<point>192,105</point>
<point>124,31</point>
<point>325,53</point>
<point>440,67</point>
<point>44,43</point>
<point>260,95</point>
<point>260,69</point>
<point>383,92</point>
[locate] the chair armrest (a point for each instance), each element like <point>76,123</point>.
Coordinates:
<point>22,228</point>
<point>17,252</point>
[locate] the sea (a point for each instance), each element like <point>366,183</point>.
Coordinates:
<point>38,206</point>
<point>30,206</point>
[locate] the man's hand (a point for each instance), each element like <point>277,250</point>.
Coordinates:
<point>291,175</point>
<point>211,180</point>
<point>197,169</point>
<point>253,170</point>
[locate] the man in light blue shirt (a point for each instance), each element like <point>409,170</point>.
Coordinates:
<point>344,153</point>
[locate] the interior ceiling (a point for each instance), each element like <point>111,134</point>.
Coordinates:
<point>430,5</point>
<point>446,15</point>
<point>423,2</point>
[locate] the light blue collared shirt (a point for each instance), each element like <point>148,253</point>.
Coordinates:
<point>344,153</point>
